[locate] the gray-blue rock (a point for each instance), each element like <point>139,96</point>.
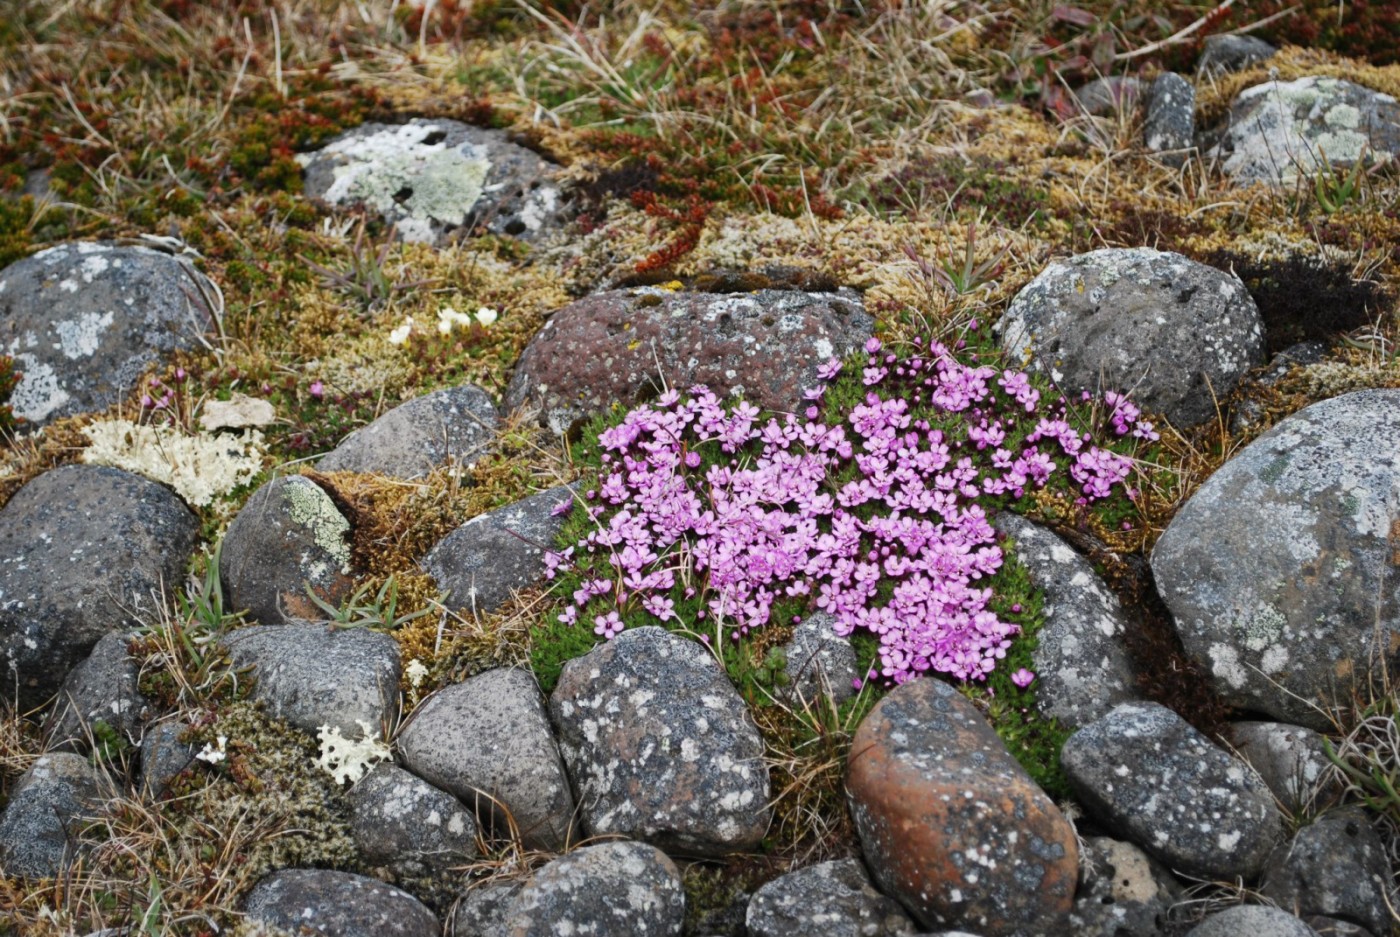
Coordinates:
<point>1103,97</point>
<point>1122,891</point>
<point>1169,128</point>
<point>100,692</point>
<point>337,904</point>
<point>163,757</point>
<point>1290,759</point>
<point>1336,867</point>
<point>454,424</point>
<point>612,888</point>
<point>402,822</point>
<point>834,899</point>
<point>1255,920</point>
<point>1223,54</point>
<point>46,804</point>
<point>818,662</point>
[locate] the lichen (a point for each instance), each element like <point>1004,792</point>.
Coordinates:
<point>312,508</point>
<point>199,467</point>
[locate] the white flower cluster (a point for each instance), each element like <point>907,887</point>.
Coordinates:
<point>448,319</point>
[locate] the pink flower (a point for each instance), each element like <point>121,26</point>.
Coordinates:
<point>1023,678</point>
<point>317,389</point>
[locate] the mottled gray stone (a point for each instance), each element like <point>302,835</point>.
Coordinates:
<point>1253,920</point>
<point>1122,891</point>
<point>1335,927</point>
<point>318,675</point>
<point>454,424</point>
<point>402,822</point>
<point>1082,659</point>
<point>1103,97</point>
<point>84,551</point>
<point>1150,777</point>
<point>490,735</point>
<point>337,904</point>
<point>1224,54</point>
<point>1279,571</point>
<point>612,888</point>
<point>1169,128</point>
<point>1335,867</point>
<point>1176,333</point>
<point>482,911</point>
<point>834,899</point>
<point>85,320</point>
<point>44,807</point>
<point>660,745</point>
<point>438,180</point>
<point>1290,759</point>
<point>101,689</point>
<point>163,757</point>
<point>819,662</point>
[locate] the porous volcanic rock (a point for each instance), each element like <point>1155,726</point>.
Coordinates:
<point>102,689</point>
<point>611,888</point>
<point>338,904</point>
<point>1169,127</point>
<point>1122,891</point>
<point>456,423</point>
<point>834,899</point>
<point>43,811</point>
<point>1334,867</point>
<point>403,822</point>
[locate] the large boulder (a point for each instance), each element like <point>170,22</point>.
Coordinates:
<point>456,423</point>
<point>610,888</point>
<point>337,904</point>
<point>84,321</point>
<point>1280,571</point>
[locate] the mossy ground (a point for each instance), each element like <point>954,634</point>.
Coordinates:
<point>870,144</point>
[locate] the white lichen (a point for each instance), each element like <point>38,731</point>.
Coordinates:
<point>200,468</point>
<point>348,760</point>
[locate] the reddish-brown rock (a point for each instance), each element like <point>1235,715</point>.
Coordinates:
<point>951,825</point>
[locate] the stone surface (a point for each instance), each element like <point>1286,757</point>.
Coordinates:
<point>289,537</point>
<point>660,746</point>
<point>101,689</point>
<point>482,911</point>
<point>84,551</point>
<point>1168,329</point>
<point>456,423</point>
<point>819,662</point>
<point>834,899</point>
<point>611,888</point>
<point>1289,759</point>
<point>1279,130</point>
<point>490,735</point>
<point>163,757</point>
<point>337,904</point>
<point>1146,774</point>
<point>1104,97</point>
<point>1334,867</point>
<point>42,812</point>
<point>1255,920</point>
<point>1122,891</point>
<point>1223,54</point>
<point>950,824</point>
<point>1169,127</point>
<point>318,675</point>
<point>85,320</point>
<point>404,823</point>
<point>437,180</point>
<point>1280,570</point>
<point>620,345</point>
<point>1082,660</point>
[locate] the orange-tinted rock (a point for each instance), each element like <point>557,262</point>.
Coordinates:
<point>951,825</point>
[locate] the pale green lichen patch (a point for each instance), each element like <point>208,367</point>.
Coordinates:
<point>312,508</point>
<point>1262,629</point>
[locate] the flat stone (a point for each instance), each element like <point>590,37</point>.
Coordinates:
<point>950,825</point>
<point>337,904</point>
<point>1335,866</point>
<point>1122,890</point>
<point>819,662</point>
<point>404,823</point>
<point>1290,759</point>
<point>1255,920</point>
<point>43,812</point>
<point>1224,54</point>
<point>834,899</point>
<point>612,888</point>
<point>1169,128</point>
<point>456,424</point>
<point>100,690</point>
<point>1103,97</point>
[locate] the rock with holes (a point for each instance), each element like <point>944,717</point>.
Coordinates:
<point>1177,334</point>
<point>834,899</point>
<point>288,541</point>
<point>45,807</point>
<point>338,904</point>
<point>616,345</point>
<point>85,320</point>
<point>99,699</point>
<point>661,747</point>
<point>1146,774</point>
<point>1169,127</point>
<point>1104,97</point>
<point>402,822</point>
<point>1122,890</point>
<point>950,824</point>
<point>84,551</point>
<point>1081,659</point>
<point>1255,920</point>
<point>456,740</point>
<point>818,661</point>
<point>610,888</point>
<point>455,424</point>
<point>1221,55</point>
<point>438,180</point>
<point>1280,571</point>
<point>1291,760</point>
<point>1334,867</point>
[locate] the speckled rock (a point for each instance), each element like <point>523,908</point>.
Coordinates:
<point>1289,759</point>
<point>85,320</point>
<point>661,747</point>
<point>101,689</point>
<point>438,180</point>
<point>481,564</point>
<point>318,675</point>
<point>619,345</point>
<point>599,891</point>
<point>44,805</point>
<point>1256,920</point>
<point>457,736</point>
<point>1169,128</point>
<point>1146,774</point>
<point>456,423</point>
<point>834,899</point>
<point>337,904</point>
<point>950,824</point>
<point>1335,867</point>
<point>1167,328</point>
<point>1106,96</point>
<point>402,822</point>
<point>1223,54</point>
<point>163,757</point>
<point>1082,660</point>
<point>819,662</point>
<point>1280,570</point>
<point>83,552</point>
<point>289,534</point>
<point>481,912</point>
<point>1279,130</point>
<point>1122,891</point>
<point>1336,927</point>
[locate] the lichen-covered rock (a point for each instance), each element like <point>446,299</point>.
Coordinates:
<point>481,912</point>
<point>950,824</point>
<point>1256,920</point>
<point>44,808</point>
<point>85,320</point>
<point>84,551</point>
<point>1280,570</point>
<point>437,180</point>
<point>1280,130</point>
<point>834,899</point>
<point>617,345</point>
<point>1081,659</point>
<point>288,537</point>
<point>1169,128</point>
<point>163,757</point>
<point>1178,334</point>
<point>337,904</point>
<point>456,423</point>
<point>1106,96</point>
<point>404,823</point>
<point>612,888</point>
<point>661,746</point>
<point>1122,890</point>
<point>1145,773</point>
<point>1334,867</point>
<point>1223,54</point>
<point>819,662</point>
<point>456,741</point>
<point>100,691</point>
<point>1291,760</point>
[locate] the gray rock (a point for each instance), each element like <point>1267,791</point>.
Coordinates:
<point>834,899</point>
<point>1170,330</point>
<point>102,689</point>
<point>1255,920</point>
<point>1122,890</point>
<point>481,564</point>
<point>44,809</point>
<point>404,823</point>
<point>456,423</point>
<point>1280,130</point>
<point>1290,759</point>
<point>1335,867</point>
<point>1103,97</point>
<point>819,662</point>
<point>660,746</point>
<point>1146,774</point>
<point>1333,927</point>
<point>163,757</point>
<point>438,180</point>
<point>1223,54</point>
<point>1169,128</point>
<point>337,904</point>
<point>1279,570</point>
<point>84,551</point>
<point>289,537</point>
<point>457,740</point>
<point>84,321</point>
<point>612,888</point>
<point>1082,660</point>
<point>481,912</point>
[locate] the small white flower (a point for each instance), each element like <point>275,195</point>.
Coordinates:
<point>486,315</point>
<point>211,754</point>
<point>400,335</point>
